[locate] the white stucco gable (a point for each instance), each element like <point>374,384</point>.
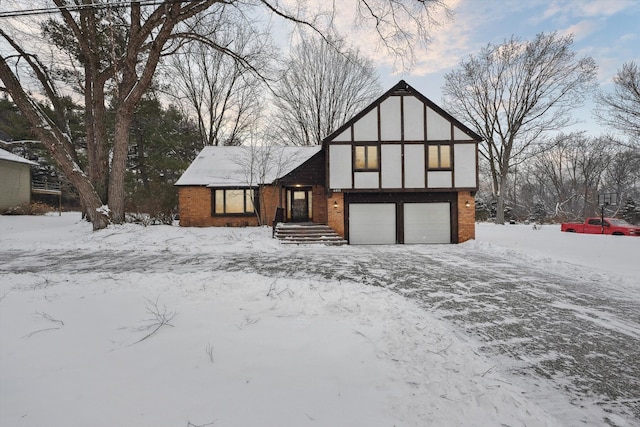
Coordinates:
<point>402,142</point>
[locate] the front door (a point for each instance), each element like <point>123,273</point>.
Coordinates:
<point>299,201</point>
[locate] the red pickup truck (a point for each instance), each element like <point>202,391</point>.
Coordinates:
<point>615,226</point>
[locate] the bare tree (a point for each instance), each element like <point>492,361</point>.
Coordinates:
<point>620,109</point>
<point>320,89</point>
<point>224,95</point>
<point>262,163</point>
<point>593,156</point>
<point>57,142</point>
<point>402,25</point>
<point>513,94</point>
<point>131,68</point>
<point>623,174</point>
<point>574,169</point>
<point>555,170</point>
<point>115,48</point>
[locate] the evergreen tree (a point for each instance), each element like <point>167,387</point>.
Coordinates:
<point>631,211</point>
<point>163,143</point>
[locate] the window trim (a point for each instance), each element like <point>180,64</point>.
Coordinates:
<point>366,168</point>
<point>253,198</point>
<point>439,160</point>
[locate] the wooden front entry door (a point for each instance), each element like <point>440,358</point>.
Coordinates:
<point>299,200</point>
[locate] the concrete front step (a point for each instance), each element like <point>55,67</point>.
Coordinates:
<point>307,233</point>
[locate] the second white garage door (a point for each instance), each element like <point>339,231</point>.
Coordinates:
<point>372,223</point>
<point>427,223</point>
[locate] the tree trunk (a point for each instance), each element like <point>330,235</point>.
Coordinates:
<point>500,200</point>
<point>99,166</point>
<point>117,193</point>
<point>56,142</point>
<point>94,99</point>
<point>500,209</point>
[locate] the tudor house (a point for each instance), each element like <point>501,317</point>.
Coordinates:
<point>401,171</point>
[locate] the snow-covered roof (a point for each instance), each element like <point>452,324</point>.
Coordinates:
<point>218,166</point>
<point>10,157</point>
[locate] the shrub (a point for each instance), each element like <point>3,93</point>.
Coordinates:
<point>35,208</point>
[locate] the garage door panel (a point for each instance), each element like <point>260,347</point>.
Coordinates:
<point>372,223</point>
<point>427,223</point>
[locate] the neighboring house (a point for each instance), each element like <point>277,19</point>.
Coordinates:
<point>401,171</point>
<point>15,180</point>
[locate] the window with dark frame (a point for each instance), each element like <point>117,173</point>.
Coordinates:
<point>439,157</point>
<point>232,201</point>
<point>366,158</point>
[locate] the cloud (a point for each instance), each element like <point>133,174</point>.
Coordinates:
<point>597,8</point>
<point>448,39</point>
<point>565,9</point>
<point>629,37</point>
<point>581,30</point>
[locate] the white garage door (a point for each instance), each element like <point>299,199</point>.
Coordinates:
<point>427,223</point>
<point>372,223</point>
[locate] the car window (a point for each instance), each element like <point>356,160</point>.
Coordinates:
<point>619,222</point>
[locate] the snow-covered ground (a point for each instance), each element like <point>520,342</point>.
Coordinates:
<point>170,326</point>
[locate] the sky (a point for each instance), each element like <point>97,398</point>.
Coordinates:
<point>606,30</point>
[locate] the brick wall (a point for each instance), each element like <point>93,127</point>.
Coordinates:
<point>195,210</point>
<point>335,215</point>
<point>195,207</point>
<point>319,201</point>
<point>271,198</point>
<point>466,217</point>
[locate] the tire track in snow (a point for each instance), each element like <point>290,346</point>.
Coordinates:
<point>537,324</point>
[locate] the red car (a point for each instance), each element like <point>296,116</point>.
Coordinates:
<point>614,226</point>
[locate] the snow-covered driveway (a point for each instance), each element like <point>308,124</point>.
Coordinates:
<point>538,325</point>
<point>556,328</point>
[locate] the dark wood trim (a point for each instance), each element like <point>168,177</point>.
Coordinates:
<point>400,222</point>
<point>402,166</point>
<point>440,169</point>
<point>477,167</point>
<point>407,190</point>
<point>353,165</point>
<point>311,172</point>
<point>378,114</point>
<point>366,156</point>
<point>402,118</point>
<point>255,199</point>
<point>394,197</point>
<point>308,197</point>
<point>452,159</point>
<point>425,116</point>
<point>426,151</point>
<point>454,219</point>
<point>402,88</point>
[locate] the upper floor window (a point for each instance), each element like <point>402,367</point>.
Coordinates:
<point>234,201</point>
<point>439,157</point>
<point>366,158</point>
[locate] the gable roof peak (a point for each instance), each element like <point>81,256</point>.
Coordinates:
<point>401,87</point>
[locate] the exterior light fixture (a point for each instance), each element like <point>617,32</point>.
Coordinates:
<point>467,203</point>
<point>335,205</point>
